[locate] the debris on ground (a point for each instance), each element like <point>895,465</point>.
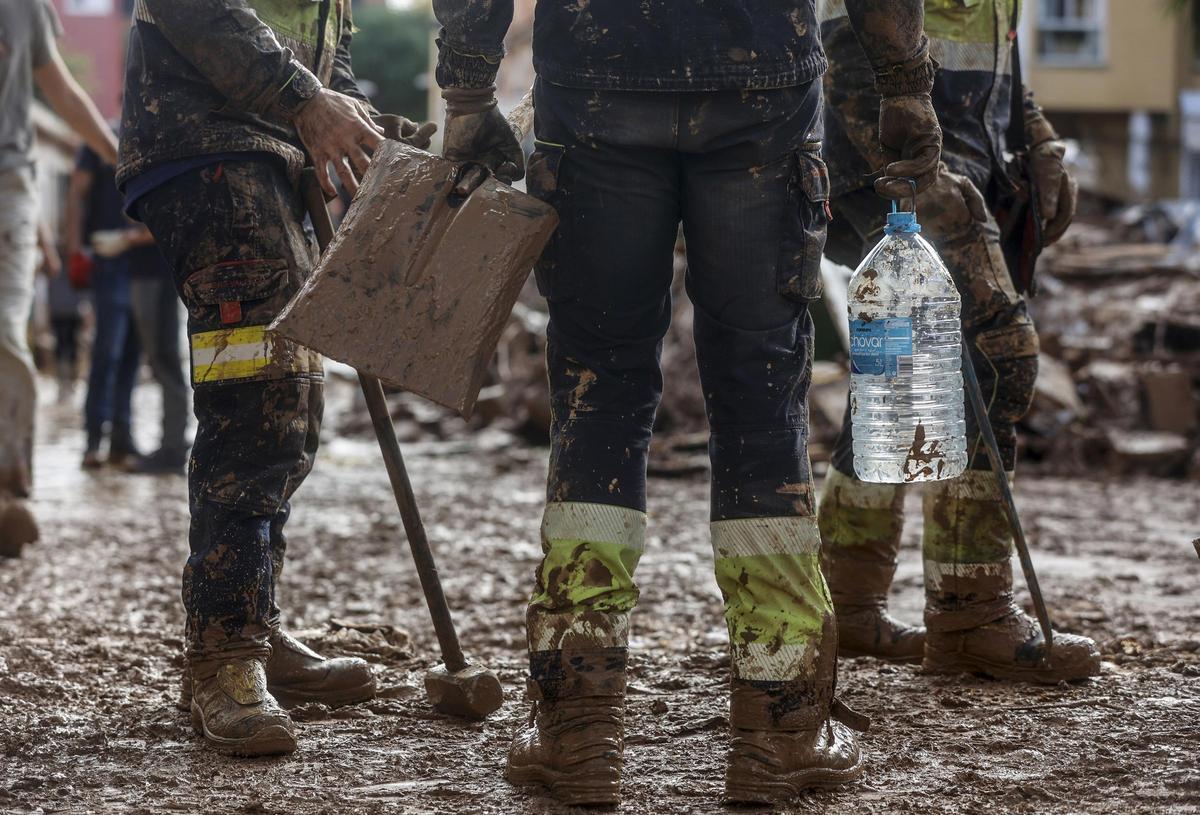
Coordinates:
<point>1122,321</point>
<point>90,648</point>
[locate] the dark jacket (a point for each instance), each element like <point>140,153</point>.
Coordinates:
<point>678,45</point>
<point>212,76</point>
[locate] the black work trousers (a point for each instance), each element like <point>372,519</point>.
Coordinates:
<point>742,172</point>
<point>233,235</point>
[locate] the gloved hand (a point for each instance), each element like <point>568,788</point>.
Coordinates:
<point>476,132</point>
<point>398,128</point>
<point>79,271</point>
<point>1057,191</point>
<point>912,143</point>
<point>909,133</point>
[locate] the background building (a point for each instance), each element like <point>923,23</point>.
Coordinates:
<point>95,33</point>
<point>1122,77</point>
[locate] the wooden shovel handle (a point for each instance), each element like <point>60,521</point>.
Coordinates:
<point>406,502</point>
<point>520,118</point>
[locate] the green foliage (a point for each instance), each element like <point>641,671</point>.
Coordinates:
<point>391,49</point>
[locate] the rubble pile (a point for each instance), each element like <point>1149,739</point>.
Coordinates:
<point>1118,312</point>
<point>1119,320</point>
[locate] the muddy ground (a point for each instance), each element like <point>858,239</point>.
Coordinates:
<point>90,624</point>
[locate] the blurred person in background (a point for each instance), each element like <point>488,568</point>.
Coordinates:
<point>65,304</point>
<point>28,54</point>
<point>156,318</point>
<point>972,622</point>
<point>95,221</point>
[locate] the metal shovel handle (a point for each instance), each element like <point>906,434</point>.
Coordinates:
<point>979,408</point>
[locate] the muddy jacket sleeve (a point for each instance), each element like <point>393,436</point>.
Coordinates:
<point>342,79</point>
<point>471,42</point>
<point>235,50</point>
<point>892,33</point>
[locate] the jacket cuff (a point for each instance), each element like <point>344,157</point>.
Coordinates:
<point>905,78</point>
<point>455,70</point>
<point>298,91</point>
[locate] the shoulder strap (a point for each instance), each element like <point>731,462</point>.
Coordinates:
<point>1016,122</point>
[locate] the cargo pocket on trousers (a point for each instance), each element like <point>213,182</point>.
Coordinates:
<point>229,293</point>
<point>541,181</point>
<point>805,223</point>
<point>231,304</point>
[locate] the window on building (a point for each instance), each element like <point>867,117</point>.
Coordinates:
<point>88,8</point>
<point>1071,32</point>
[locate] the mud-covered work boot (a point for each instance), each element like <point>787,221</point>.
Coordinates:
<point>1011,648</point>
<point>18,527</point>
<point>786,738</point>
<point>296,675</point>
<point>574,747</point>
<point>578,634</point>
<point>574,741</point>
<point>236,714</point>
<point>861,525</point>
<point>973,624</point>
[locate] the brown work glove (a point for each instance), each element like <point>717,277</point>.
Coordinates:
<point>1057,191</point>
<point>478,133</point>
<point>909,134</point>
<point>398,128</point>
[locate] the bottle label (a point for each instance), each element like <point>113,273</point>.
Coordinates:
<point>881,347</point>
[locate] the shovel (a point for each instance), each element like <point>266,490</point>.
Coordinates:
<point>418,283</point>
<point>411,280</point>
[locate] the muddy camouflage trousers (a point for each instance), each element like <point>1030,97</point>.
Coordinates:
<point>743,175</point>
<point>967,543</point>
<point>233,235</point>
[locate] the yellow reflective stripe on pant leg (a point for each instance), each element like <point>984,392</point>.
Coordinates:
<point>965,520</point>
<point>232,353</point>
<point>248,352</point>
<point>585,586</point>
<point>941,576</point>
<point>776,601</point>
<point>855,513</point>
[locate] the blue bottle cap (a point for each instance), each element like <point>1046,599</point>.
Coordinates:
<point>901,222</point>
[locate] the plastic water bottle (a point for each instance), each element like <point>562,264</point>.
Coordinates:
<point>906,386</point>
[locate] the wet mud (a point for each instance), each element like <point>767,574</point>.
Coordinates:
<point>90,625</point>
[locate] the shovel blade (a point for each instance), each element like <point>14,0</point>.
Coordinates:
<point>415,289</point>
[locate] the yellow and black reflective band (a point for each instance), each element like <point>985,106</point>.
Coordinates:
<point>247,352</point>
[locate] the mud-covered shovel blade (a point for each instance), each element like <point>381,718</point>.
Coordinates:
<point>416,287</point>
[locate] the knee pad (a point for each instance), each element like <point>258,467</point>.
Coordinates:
<point>1007,359</point>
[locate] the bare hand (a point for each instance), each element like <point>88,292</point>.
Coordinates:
<point>51,262</point>
<point>337,129</point>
